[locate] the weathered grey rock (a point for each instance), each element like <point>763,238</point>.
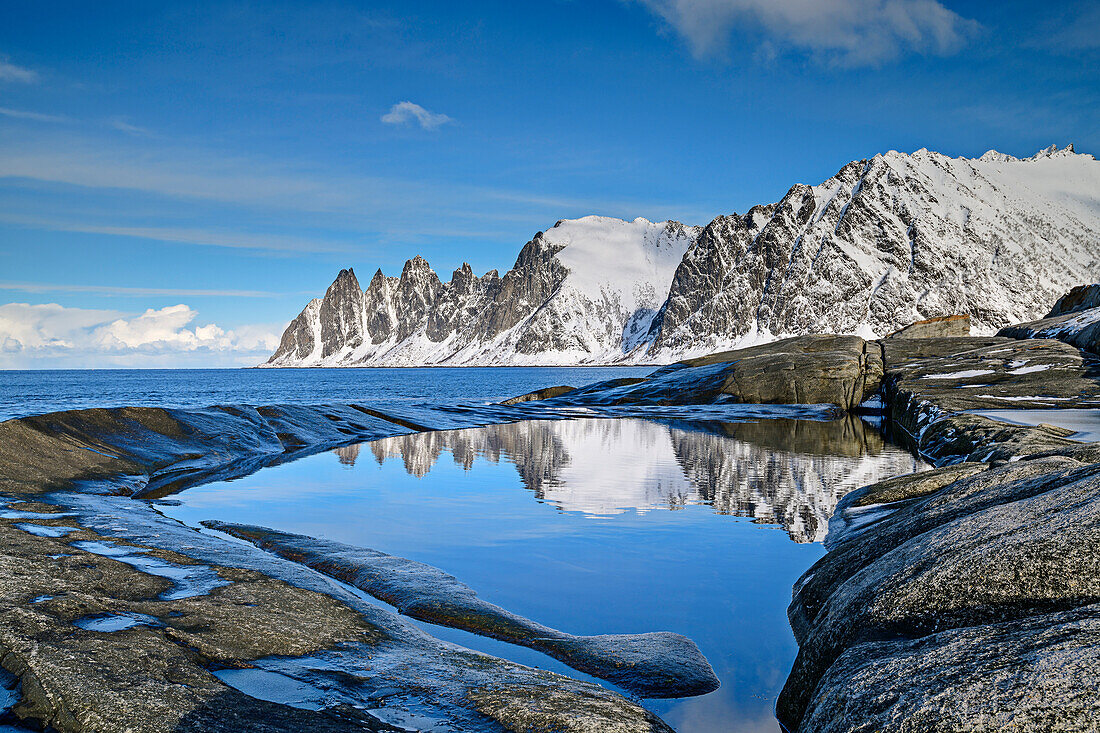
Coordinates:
<point>891,525</point>
<point>539,394</point>
<point>549,710</point>
<point>159,450</point>
<point>944,326</point>
<point>1080,328</point>
<point>1081,297</point>
<point>931,386</point>
<point>152,679</point>
<point>814,369</point>
<point>981,551</point>
<point>911,486</point>
<point>1032,676</point>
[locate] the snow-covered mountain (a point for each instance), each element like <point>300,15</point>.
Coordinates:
<point>885,242</point>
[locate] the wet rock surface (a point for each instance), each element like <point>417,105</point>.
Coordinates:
<point>539,394</point>
<point>146,678</point>
<point>658,664</point>
<point>962,598</point>
<point>932,386</point>
<point>117,618</point>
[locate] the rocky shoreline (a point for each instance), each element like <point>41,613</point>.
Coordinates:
<point>966,597</point>
<point>962,598</point>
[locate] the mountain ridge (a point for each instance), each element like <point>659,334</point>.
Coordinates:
<point>886,241</point>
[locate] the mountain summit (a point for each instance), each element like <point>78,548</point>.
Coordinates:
<point>884,242</point>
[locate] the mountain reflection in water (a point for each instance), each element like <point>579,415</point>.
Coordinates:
<point>786,472</point>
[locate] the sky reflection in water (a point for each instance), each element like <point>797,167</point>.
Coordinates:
<point>596,526</point>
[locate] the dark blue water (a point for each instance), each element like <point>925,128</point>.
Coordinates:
<point>595,526</point>
<point>35,392</point>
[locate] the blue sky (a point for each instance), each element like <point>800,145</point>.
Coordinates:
<point>177,180</point>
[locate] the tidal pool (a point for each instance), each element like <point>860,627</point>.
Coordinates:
<point>595,526</point>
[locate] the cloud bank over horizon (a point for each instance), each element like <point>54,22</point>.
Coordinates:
<point>55,336</point>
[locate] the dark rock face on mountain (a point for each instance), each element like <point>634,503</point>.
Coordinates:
<point>887,241</point>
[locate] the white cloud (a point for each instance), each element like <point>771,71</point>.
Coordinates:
<point>11,72</point>
<point>839,32</point>
<point>404,113</point>
<point>22,114</point>
<point>55,335</point>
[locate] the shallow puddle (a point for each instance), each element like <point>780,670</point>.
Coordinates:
<point>1085,423</point>
<point>111,622</point>
<point>594,526</point>
<point>188,581</point>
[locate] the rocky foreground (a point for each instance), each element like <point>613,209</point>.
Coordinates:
<point>962,598</point>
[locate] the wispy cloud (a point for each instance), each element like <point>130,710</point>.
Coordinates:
<point>51,333</point>
<point>11,72</point>
<point>22,114</point>
<point>123,125</point>
<point>181,235</point>
<point>834,32</point>
<point>25,287</point>
<point>155,189</point>
<point>383,203</point>
<point>404,113</point>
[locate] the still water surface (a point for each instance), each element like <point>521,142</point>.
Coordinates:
<point>595,526</point>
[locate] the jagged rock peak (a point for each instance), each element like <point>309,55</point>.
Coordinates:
<point>992,156</point>
<point>415,266</point>
<point>378,280</point>
<point>345,278</point>
<point>888,240</point>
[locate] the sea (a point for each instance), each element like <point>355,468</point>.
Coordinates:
<point>33,392</point>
